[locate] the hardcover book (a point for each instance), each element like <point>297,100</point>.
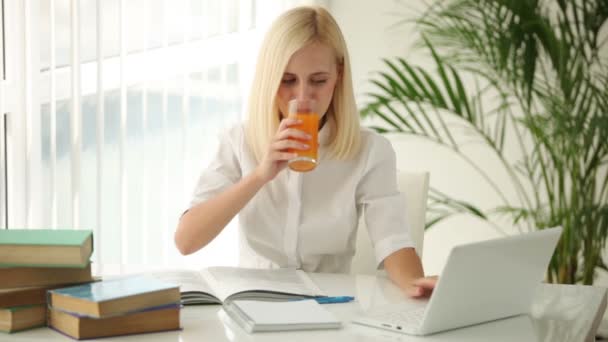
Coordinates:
<point>217,285</point>
<point>22,317</point>
<point>22,296</point>
<point>25,295</point>
<point>114,297</point>
<point>81,327</point>
<point>13,277</point>
<point>45,248</point>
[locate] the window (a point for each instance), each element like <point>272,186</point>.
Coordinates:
<point>2,52</point>
<point>123,102</point>
<point>3,130</point>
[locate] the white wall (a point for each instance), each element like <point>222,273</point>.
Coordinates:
<point>367,26</point>
<point>370,37</point>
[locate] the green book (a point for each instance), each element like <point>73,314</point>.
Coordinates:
<point>45,248</point>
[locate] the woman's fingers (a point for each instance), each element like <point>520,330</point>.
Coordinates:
<point>282,156</point>
<point>414,291</point>
<point>286,138</point>
<point>285,144</point>
<point>276,156</point>
<point>285,131</point>
<point>292,133</point>
<point>287,122</point>
<point>419,292</point>
<point>426,282</point>
<point>422,287</point>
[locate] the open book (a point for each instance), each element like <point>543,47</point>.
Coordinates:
<point>217,285</point>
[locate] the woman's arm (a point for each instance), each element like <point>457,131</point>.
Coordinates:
<point>204,221</point>
<point>405,269</point>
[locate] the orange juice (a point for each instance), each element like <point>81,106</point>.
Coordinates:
<point>307,159</point>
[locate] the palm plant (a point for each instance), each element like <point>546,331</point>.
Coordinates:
<point>523,74</point>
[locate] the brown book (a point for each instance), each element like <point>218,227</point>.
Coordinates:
<point>22,317</point>
<point>78,327</point>
<point>45,248</point>
<point>22,296</point>
<point>13,277</point>
<point>26,295</point>
<point>114,297</point>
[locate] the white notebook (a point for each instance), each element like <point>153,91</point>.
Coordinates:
<point>275,316</point>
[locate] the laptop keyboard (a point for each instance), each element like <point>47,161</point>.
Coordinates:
<point>408,320</point>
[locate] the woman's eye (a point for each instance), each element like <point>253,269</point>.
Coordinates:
<point>319,81</point>
<point>288,80</point>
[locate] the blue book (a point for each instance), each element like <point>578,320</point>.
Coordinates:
<point>114,297</point>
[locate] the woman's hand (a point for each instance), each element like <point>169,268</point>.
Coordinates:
<point>422,287</point>
<point>276,157</point>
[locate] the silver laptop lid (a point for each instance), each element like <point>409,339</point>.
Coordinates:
<point>488,280</point>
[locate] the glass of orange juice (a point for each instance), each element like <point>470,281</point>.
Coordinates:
<point>306,111</point>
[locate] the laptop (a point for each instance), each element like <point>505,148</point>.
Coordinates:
<point>480,282</point>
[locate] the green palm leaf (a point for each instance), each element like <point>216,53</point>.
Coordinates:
<point>540,65</point>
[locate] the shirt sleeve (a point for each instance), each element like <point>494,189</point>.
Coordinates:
<point>382,204</point>
<point>224,169</point>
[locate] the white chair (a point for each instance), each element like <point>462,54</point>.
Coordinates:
<point>415,186</point>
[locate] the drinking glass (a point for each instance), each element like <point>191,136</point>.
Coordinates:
<point>306,111</point>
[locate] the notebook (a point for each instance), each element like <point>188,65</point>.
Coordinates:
<point>481,282</point>
<point>217,285</point>
<point>256,316</point>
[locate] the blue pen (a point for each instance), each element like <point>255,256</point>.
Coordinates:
<point>332,300</point>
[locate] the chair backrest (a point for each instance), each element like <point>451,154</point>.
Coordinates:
<point>415,186</point>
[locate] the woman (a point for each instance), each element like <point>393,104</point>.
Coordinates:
<point>304,220</point>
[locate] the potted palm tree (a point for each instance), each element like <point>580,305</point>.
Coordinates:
<point>542,64</point>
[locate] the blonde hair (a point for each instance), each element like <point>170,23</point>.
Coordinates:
<point>291,31</point>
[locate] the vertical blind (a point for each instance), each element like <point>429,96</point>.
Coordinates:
<point>3,192</point>
<point>123,102</point>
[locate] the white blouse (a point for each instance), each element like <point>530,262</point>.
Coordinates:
<point>309,220</point>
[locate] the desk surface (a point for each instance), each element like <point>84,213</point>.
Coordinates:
<point>559,313</point>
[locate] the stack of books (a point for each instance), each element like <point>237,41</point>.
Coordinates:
<point>124,306</point>
<point>34,261</point>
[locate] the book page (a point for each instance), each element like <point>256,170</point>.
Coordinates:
<point>190,282</point>
<point>227,281</point>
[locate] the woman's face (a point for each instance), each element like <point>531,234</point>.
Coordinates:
<point>312,73</point>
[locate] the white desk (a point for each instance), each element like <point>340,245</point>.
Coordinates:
<point>559,313</point>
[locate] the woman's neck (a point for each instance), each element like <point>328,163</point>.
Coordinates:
<point>322,122</point>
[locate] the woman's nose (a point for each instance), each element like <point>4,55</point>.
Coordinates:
<point>304,92</point>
